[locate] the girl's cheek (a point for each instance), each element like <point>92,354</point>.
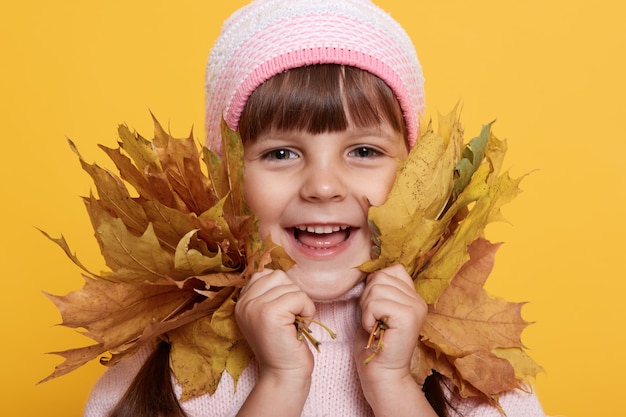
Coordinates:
<point>380,196</point>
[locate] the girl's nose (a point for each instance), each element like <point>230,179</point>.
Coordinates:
<point>323,185</point>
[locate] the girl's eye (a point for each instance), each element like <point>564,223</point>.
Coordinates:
<point>364,152</point>
<point>279,154</point>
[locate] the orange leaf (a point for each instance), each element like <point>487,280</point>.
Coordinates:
<point>467,325</point>
<point>116,314</point>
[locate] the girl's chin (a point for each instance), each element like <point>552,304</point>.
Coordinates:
<point>322,285</point>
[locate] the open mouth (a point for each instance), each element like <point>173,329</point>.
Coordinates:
<point>322,236</point>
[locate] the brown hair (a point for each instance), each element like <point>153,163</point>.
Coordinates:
<point>151,393</point>
<point>307,99</point>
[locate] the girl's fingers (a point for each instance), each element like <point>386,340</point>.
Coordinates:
<point>273,290</point>
<point>389,294</point>
<point>395,276</point>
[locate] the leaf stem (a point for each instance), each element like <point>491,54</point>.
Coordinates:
<point>376,336</point>
<point>302,323</point>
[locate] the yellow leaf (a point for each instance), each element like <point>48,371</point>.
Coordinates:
<point>133,258</point>
<point>405,226</point>
<point>495,152</point>
<point>525,367</point>
<point>216,172</point>
<point>139,148</point>
<point>238,360</point>
<point>435,278</point>
<point>202,350</point>
<point>471,159</point>
<point>198,357</point>
<point>191,261</point>
<point>232,148</point>
<point>216,213</point>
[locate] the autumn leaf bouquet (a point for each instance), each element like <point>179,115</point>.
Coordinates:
<point>178,249</point>
<point>179,243</point>
<point>445,194</point>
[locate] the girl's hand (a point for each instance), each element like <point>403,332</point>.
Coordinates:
<point>386,379</point>
<point>266,312</point>
<point>390,296</point>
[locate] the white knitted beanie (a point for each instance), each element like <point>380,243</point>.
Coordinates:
<point>268,37</point>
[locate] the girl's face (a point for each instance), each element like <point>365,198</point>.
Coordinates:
<point>312,192</point>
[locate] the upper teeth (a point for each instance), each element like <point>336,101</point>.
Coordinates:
<point>321,229</point>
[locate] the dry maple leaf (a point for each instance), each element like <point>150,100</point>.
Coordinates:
<point>477,334</point>
<point>179,243</point>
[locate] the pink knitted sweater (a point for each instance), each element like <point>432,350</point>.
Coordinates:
<point>341,397</point>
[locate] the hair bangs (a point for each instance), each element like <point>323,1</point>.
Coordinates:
<point>320,98</point>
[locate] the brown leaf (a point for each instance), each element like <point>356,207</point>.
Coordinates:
<point>489,374</point>
<point>149,181</point>
<point>467,325</point>
<point>180,161</point>
<point>115,314</point>
<point>74,359</point>
<point>114,196</point>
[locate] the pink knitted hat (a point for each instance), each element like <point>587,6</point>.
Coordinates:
<point>267,37</point>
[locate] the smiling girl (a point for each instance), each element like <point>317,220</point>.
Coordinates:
<point>311,181</point>
<point>326,96</point>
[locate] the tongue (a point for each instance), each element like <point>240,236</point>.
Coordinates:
<point>321,241</point>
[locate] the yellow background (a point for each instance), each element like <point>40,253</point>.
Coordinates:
<point>551,72</point>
